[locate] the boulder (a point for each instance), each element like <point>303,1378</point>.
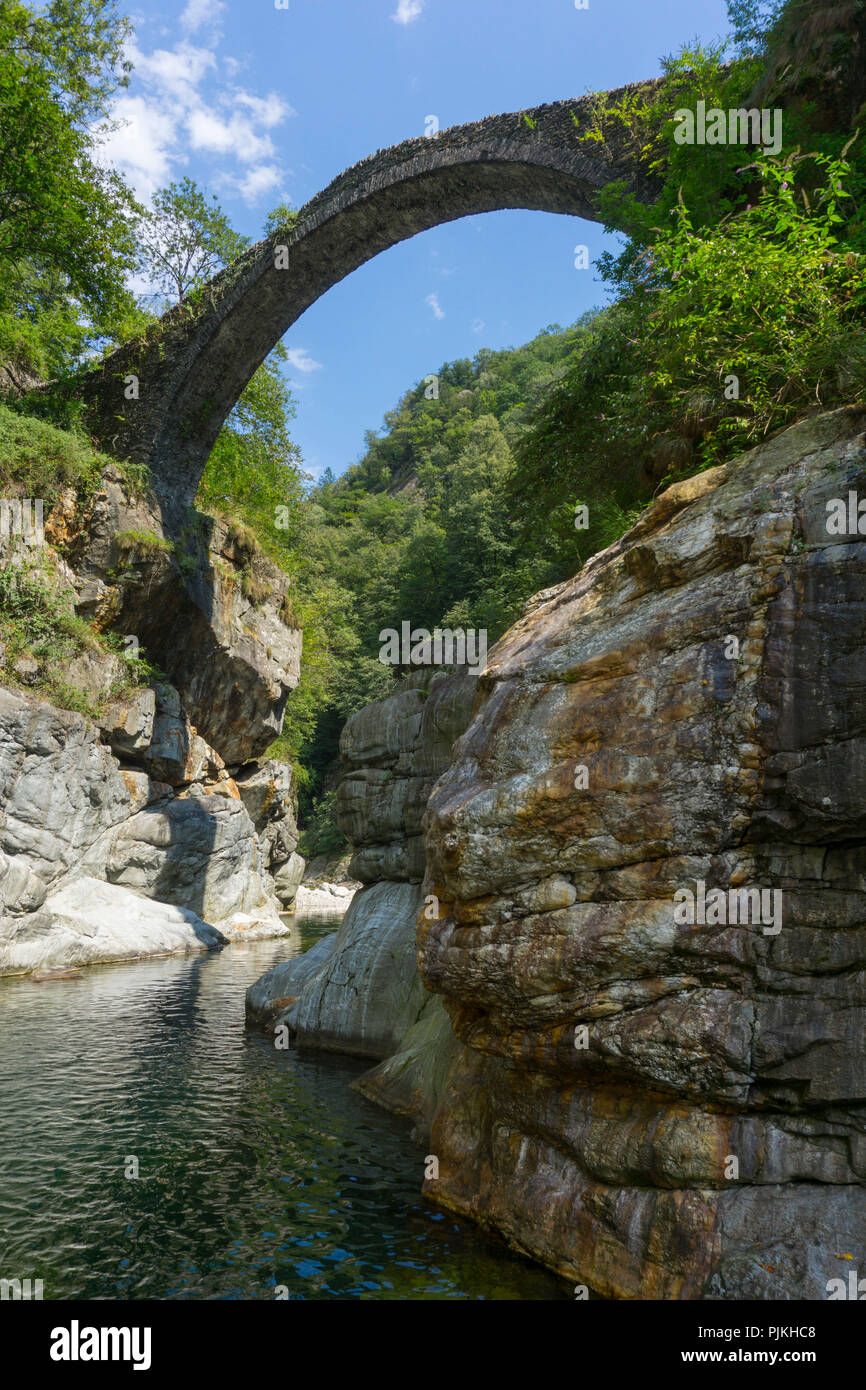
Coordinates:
<point>127,725</point>
<point>68,813</point>
<point>267,790</point>
<point>195,852</point>
<point>87,921</point>
<point>287,879</point>
<point>364,993</point>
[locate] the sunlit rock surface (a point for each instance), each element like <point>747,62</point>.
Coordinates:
<point>660,1108</point>
<point>74,822</point>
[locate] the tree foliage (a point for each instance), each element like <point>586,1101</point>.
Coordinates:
<point>67,222</point>
<point>185,239</point>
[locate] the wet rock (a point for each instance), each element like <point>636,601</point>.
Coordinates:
<point>365,994</point>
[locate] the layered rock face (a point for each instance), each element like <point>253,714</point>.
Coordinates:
<point>267,790</point>
<point>661,1089</point>
<point>358,991</point>
<point>99,862</point>
<point>203,602</point>
<point>146,829</point>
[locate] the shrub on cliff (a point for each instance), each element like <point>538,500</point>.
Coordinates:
<point>728,333</point>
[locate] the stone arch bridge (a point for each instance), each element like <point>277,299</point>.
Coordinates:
<point>192,367</point>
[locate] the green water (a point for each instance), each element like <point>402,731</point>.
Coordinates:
<point>257,1168</point>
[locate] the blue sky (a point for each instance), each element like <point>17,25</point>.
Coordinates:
<point>262,105</point>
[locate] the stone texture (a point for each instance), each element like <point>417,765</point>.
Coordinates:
<point>366,994</point>
<point>127,725</point>
<point>392,752</point>
<point>412,1080</point>
<point>67,812</point>
<point>323,899</point>
<point>182,592</point>
<point>267,790</point>
<point>606,1153</point>
<point>87,921</point>
<point>198,853</point>
<point>59,789</point>
<point>287,878</point>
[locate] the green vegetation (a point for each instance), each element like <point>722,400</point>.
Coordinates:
<point>186,238</point>
<point>67,224</point>
<point>37,459</point>
<point>141,545</point>
<point>38,621</point>
<point>738,294</point>
<point>736,306</point>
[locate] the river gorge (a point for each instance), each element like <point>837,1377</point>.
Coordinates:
<point>513,980</point>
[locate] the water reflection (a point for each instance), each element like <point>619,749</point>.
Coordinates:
<point>256,1167</point>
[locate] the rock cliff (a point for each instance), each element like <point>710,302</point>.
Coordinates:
<point>644,908</point>
<point>141,825</point>
<point>661,1089</point>
<point>358,991</point>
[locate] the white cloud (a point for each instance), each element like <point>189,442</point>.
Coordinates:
<point>301,360</point>
<point>197,11</point>
<point>259,181</point>
<point>407,10</point>
<point>180,104</point>
<point>235,136</point>
<point>142,146</point>
<point>267,111</point>
<point>176,72</point>
<point>433,301</point>
<point>478,325</point>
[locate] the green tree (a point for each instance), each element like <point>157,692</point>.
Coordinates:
<point>282,216</point>
<point>67,237</point>
<point>186,238</point>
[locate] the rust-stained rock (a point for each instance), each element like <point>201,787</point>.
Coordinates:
<point>653,1104</point>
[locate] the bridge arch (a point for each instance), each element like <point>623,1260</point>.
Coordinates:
<point>191,369</point>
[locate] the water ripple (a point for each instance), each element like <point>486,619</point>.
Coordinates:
<point>257,1168</point>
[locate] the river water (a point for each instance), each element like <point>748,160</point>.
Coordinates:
<point>259,1171</point>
